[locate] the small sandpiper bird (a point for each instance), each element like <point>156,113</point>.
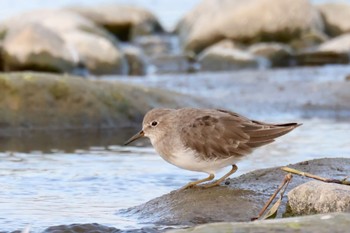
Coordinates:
<point>206,140</point>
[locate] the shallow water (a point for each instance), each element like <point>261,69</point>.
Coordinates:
<point>91,185</point>
<point>58,178</point>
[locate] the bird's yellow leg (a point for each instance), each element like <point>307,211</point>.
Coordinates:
<point>217,182</point>
<point>194,183</point>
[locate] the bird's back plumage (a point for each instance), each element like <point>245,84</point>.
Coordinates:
<point>219,134</point>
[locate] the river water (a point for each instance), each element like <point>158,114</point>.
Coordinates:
<point>66,178</point>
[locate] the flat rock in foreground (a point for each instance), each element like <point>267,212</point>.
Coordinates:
<point>241,200</point>
<point>336,222</point>
<point>319,197</point>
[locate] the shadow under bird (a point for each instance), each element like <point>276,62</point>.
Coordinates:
<point>206,140</point>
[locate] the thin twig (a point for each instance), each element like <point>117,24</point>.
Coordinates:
<point>285,181</point>
<point>306,174</point>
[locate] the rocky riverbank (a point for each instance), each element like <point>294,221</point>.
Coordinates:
<point>215,35</point>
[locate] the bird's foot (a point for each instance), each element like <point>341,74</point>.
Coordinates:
<point>194,184</point>
<point>189,185</point>
<point>210,185</point>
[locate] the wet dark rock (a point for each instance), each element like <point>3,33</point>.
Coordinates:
<point>163,54</point>
<point>334,51</point>
<point>241,200</point>
<point>336,222</point>
<point>79,228</point>
<point>247,21</point>
<point>336,17</point>
<point>308,41</point>
<point>226,56</point>
<point>158,45</point>
<point>136,59</point>
<point>171,63</point>
<point>43,101</point>
<point>124,21</point>
<point>278,54</point>
<point>318,58</point>
<point>316,197</point>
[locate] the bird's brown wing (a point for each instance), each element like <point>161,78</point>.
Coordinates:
<point>224,134</point>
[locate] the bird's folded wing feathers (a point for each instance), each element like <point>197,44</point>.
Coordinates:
<point>228,134</point>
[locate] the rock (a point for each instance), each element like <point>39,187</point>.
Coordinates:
<point>89,45</point>
<point>336,222</point>
<point>170,63</point>
<point>278,54</point>
<point>158,45</point>
<point>226,56</point>
<point>317,197</point>
<point>164,55</point>
<point>247,21</point>
<point>1,56</point>
<point>44,101</point>
<point>336,17</point>
<point>347,78</point>
<point>240,200</point>
<point>98,54</point>
<point>125,22</point>
<point>334,51</point>
<point>36,47</point>
<point>308,40</point>
<point>318,58</point>
<point>78,228</point>
<point>340,44</point>
<point>137,64</point>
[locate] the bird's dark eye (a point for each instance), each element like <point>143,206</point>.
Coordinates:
<point>154,123</point>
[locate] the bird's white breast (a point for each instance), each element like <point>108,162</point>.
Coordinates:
<point>188,159</point>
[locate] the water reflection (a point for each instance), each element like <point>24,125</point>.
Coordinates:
<point>64,140</point>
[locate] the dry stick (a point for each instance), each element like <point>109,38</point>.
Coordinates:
<point>285,181</point>
<point>273,210</point>
<point>294,171</point>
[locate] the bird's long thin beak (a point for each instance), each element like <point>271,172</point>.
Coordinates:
<point>135,137</point>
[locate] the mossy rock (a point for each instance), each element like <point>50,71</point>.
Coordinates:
<point>30,100</point>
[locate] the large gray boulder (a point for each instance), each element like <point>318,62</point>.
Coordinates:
<point>316,197</point>
<point>247,21</point>
<point>226,56</point>
<point>88,44</point>
<point>124,21</point>
<point>336,17</point>
<point>239,199</point>
<point>36,47</point>
<point>45,101</point>
<point>98,54</point>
